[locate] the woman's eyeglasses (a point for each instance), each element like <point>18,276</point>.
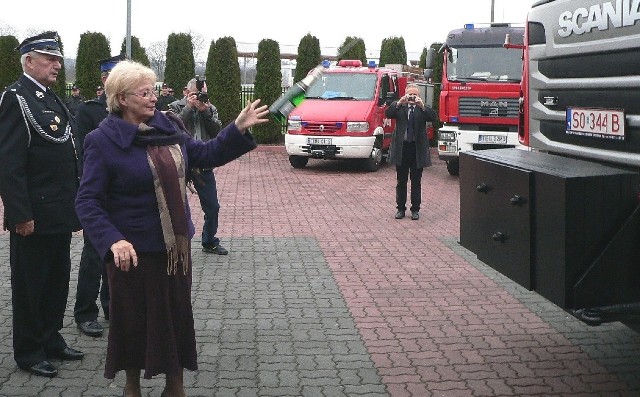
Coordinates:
<point>147,94</point>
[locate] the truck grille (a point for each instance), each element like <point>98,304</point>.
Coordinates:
<point>322,128</point>
<point>485,107</point>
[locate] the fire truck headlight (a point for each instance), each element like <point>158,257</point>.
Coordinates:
<point>295,125</point>
<point>446,136</point>
<point>357,126</point>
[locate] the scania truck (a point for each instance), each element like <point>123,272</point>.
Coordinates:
<point>562,218</point>
<point>342,116</point>
<point>479,91</point>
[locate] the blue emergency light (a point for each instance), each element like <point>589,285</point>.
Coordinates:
<point>326,63</point>
<point>372,64</point>
<point>468,26</point>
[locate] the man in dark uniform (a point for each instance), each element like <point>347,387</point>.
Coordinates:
<point>164,99</point>
<point>92,269</point>
<point>74,100</point>
<point>38,185</point>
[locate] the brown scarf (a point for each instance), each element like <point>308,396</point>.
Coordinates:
<point>169,180</point>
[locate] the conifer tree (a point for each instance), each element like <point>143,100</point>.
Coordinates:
<point>223,78</point>
<point>268,87</point>
<point>393,51</point>
<point>10,68</point>
<point>181,65</point>
<point>353,48</point>
<point>138,53</point>
<point>91,49</point>
<point>309,56</point>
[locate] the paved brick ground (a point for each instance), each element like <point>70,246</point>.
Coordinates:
<point>325,294</point>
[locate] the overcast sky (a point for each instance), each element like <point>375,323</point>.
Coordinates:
<point>420,22</point>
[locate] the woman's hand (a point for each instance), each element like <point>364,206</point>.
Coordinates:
<point>124,255</point>
<point>252,115</point>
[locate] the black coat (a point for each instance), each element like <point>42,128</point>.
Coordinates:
<point>421,117</point>
<point>38,167</point>
<point>88,118</point>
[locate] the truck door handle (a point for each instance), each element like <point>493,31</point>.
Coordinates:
<point>482,187</point>
<point>517,200</point>
<point>499,236</point>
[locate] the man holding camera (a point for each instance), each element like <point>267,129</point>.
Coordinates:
<point>409,150</point>
<point>200,118</point>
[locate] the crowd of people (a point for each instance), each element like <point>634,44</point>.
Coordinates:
<point>95,165</point>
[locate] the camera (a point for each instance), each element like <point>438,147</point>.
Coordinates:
<point>412,98</point>
<point>201,96</point>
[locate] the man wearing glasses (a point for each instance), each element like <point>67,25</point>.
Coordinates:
<point>91,269</point>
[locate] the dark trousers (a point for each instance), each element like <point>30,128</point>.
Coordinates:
<point>205,185</point>
<point>408,167</point>
<point>40,267</point>
<point>90,272</point>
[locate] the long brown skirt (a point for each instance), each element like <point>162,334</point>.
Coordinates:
<point>150,319</point>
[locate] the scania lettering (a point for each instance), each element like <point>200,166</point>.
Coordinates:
<point>562,216</point>
<point>479,91</point>
<point>600,16</point>
<point>342,115</point>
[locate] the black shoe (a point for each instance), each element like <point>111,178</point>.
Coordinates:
<point>415,215</point>
<point>215,249</point>
<point>67,354</point>
<point>43,368</point>
<point>91,328</point>
<point>399,214</point>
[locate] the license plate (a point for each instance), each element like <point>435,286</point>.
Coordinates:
<point>492,139</point>
<point>602,123</point>
<point>319,141</point>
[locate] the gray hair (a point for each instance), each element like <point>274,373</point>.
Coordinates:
<point>123,77</point>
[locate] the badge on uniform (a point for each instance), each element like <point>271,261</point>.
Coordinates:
<point>40,94</point>
<point>54,127</point>
<point>57,119</point>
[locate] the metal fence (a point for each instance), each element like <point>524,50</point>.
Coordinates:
<point>246,94</point>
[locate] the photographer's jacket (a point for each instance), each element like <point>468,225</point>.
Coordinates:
<point>38,165</point>
<point>201,125</point>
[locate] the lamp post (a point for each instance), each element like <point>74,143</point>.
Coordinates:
<point>493,5</point>
<point>128,39</point>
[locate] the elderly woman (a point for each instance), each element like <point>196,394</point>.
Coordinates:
<point>133,207</point>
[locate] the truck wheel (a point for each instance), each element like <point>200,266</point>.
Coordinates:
<point>298,161</point>
<point>372,164</point>
<point>453,167</point>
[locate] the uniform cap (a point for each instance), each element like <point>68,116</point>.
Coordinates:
<point>44,43</point>
<point>98,87</point>
<point>107,64</point>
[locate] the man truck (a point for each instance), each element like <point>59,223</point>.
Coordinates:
<point>479,91</point>
<point>563,217</point>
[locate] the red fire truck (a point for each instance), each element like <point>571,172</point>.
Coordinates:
<point>342,116</point>
<point>563,218</point>
<point>479,92</point>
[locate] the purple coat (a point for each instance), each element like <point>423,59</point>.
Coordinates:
<point>116,199</point>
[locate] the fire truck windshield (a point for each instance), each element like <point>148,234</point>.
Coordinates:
<point>491,64</point>
<point>354,86</point>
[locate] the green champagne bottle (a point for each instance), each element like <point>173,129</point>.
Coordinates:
<point>283,106</point>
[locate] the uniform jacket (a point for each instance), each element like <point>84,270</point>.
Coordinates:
<point>88,117</point>
<point>116,199</point>
<point>72,103</point>
<point>38,168</point>
<point>421,117</point>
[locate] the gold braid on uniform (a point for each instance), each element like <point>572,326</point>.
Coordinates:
<point>25,108</point>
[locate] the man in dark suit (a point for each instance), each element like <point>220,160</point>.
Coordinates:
<point>38,185</point>
<point>91,270</point>
<point>409,150</point>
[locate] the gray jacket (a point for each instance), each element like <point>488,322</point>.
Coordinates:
<point>203,125</point>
